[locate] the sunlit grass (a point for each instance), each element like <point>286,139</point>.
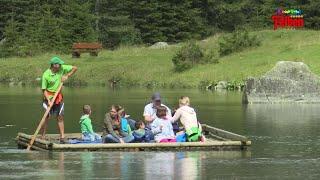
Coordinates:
<point>142,66</point>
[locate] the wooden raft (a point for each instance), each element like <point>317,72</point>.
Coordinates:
<point>217,139</point>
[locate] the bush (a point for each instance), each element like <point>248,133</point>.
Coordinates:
<point>211,56</point>
<point>237,41</point>
<point>191,54</point>
<point>187,56</point>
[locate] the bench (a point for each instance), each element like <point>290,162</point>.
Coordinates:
<point>92,48</point>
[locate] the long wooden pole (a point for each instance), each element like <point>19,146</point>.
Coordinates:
<point>44,117</point>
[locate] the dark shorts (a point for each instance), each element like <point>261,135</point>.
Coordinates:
<point>56,110</point>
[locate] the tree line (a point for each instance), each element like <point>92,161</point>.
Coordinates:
<point>28,27</point>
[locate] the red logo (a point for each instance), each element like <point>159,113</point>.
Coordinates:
<point>287,18</point>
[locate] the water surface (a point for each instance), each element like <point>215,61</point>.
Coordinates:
<point>286,138</point>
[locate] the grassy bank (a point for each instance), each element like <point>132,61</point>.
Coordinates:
<point>142,66</point>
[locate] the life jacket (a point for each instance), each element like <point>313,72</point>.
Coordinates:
<point>59,98</point>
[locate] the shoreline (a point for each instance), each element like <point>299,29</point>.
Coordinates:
<point>209,87</point>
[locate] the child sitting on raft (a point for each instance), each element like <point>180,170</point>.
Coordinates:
<point>142,134</point>
<point>162,127</point>
<point>188,119</point>
<point>86,127</point>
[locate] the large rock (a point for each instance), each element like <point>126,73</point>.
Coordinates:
<point>222,85</point>
<point>159,45</point>
<point>285,83</point>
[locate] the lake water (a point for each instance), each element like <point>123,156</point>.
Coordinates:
<point>285,138</point>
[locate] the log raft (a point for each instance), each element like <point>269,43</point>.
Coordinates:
<point>217,140</point>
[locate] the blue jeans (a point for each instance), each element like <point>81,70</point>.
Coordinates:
<point>111,139</point>
<point>91,137</point>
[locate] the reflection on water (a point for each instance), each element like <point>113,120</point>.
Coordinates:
<point>86,164</point>
<point>127,165</point>
<point>284,130</point>
<point>160,165</point>
<point>282,114</point>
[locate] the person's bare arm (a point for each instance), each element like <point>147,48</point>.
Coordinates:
<point>47,96</point>
<point>65,77</point>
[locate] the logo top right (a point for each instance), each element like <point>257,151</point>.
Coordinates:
<point>291,18</point>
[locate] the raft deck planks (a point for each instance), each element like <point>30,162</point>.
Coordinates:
<point>217,139</point>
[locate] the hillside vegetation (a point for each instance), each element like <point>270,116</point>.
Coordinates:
<point>146,67</point>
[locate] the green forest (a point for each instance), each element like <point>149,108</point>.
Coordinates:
<point>29,27</point>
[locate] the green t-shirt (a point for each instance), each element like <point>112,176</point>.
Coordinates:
<point>51,81</point>
<point>85,123</point>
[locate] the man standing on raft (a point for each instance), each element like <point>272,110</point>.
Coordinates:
<point>51,79</point>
